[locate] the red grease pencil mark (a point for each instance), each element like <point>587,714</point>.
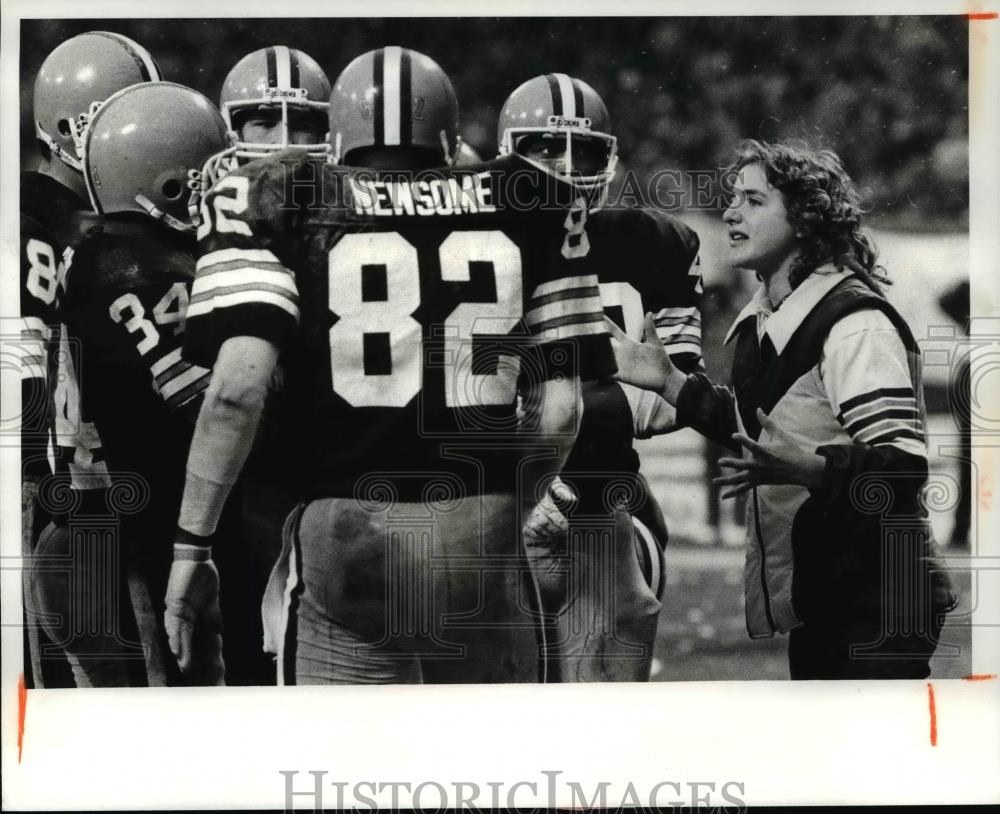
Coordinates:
<point>22,702</point>
<point>933,709</point>
<point>986,492</point>
<point>980,677</point>
<point>982,15</point>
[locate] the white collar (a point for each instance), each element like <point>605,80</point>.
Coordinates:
<point>793,309</point>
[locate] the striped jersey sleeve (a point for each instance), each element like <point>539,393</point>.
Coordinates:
<point>679,329</point>
<point>241,287</point>
<point>29,350</point>
<point>565,308</point>
<point>675,292</point>
<point>176,380</point>
<point>867,374</point>
<point>564,312</point>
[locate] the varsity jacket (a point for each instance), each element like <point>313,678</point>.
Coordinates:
<point>838,368</point>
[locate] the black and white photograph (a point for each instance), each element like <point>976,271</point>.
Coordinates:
<point>355,356</point>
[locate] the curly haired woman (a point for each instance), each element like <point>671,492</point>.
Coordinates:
<point>827,410</point>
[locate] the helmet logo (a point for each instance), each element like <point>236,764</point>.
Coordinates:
<point>418,108</point>
<point>366,108</point>
<point>285,93</point>
<point>568,121</point>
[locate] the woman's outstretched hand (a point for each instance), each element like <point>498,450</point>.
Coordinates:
<point>780,460</point>
<point>645,364</point>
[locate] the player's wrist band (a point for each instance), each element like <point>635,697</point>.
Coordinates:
<point>188,546</point>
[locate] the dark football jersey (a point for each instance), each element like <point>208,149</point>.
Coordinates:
<point>406,308</point>
<point>44,204</point>
<point>53,220</point>
<point>646,261</point>
<point>127,292</point>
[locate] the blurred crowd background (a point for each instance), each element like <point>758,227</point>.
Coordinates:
<point>889,94</point>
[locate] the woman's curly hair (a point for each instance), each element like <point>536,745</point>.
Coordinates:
<point>823,207</point>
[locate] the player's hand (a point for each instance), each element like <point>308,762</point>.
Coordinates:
<point>645,364</point>
<point>548,518</point>
<point>194,622</point>
<point>780,460</point>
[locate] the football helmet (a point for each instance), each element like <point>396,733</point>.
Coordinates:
<point>144,151</point>
<point>277,77</point>
<point>75,78</point>
<point>393,97</point>
<point>559,104</point>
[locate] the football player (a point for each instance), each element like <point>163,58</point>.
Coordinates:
<point>72,82</point>
<point>272,99</point>
<point>127,290</point>
<point>604,596</point>
<point>404,302</point>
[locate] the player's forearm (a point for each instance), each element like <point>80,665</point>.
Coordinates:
<point>651,413</point>
<point>673,382</point>
<point>550,426</point>
<point>224,433</point>
<point>220,446</point>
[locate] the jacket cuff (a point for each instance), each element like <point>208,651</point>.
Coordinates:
<point>688,400</point>
<point>837,474</point>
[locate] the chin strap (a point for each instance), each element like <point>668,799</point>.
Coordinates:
<point>449,157</point>
<point>151,209</point>
<point>60,153</point>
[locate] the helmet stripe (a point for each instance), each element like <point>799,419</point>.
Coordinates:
<point>293,64</point>
<point>272,69</point>
<point>405,98</point>
<point>566,92</point>
<point>378,61</point>
<point>391,96</point>
<point>578,98</point>
<point>557,106</point>
<point>283,65</point>
<point>149,71</point>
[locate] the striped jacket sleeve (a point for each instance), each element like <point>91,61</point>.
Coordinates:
<point>241,287</point>
<point>867,374</point>
<point>873,384</point>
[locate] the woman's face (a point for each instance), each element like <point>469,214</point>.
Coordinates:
<point>760,236</point>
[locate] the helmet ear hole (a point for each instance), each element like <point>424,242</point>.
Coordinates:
<point>64,127</point>
<point>172,189</point>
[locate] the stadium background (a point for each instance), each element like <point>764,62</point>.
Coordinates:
<point>889,94</point>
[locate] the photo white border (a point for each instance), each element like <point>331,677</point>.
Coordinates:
<point>787,742</point>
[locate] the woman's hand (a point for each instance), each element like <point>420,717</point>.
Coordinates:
<point>780,460</point>
<point>645,364</point>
